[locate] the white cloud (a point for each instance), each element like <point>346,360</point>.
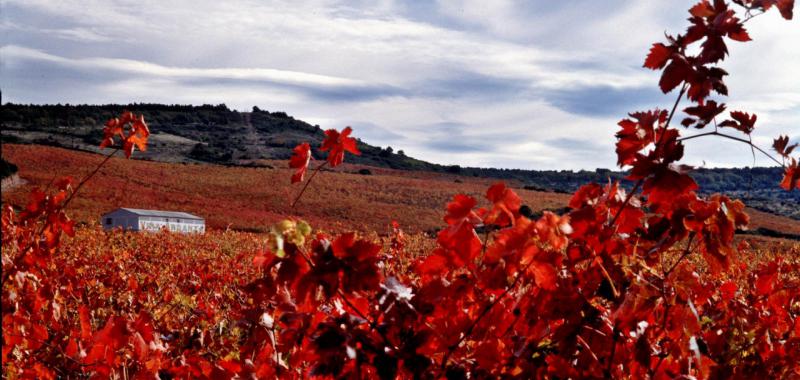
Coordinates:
<point>79,34</point>
<point>129,66</point>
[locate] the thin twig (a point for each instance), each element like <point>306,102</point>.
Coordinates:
<point>715,133</point>
<point>307,183</point>
<point>87,178</point>
<point>686,253</point>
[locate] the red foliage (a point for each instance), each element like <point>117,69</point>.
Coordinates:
<point>781,145</point>
<point>337,143</point>
<point>703,114</point>
<point>301,157</point>
<point>605,291</point>
<point>742,122</point>
<point>136,137</point>
<point>505,209</point>
<point>791,177</point>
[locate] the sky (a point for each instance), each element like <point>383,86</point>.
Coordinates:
<point>510,84</point>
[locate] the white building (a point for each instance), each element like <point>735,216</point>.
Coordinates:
<point>153,220</point>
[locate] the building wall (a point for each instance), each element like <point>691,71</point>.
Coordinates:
<point>119,219</point>
<point>129,221</point>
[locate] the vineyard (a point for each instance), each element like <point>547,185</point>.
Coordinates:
<point>651,283</point>
<point>252,199</point>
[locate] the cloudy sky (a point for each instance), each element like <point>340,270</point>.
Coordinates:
<point>528,84</point>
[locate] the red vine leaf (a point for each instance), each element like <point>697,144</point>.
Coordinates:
<point>765,279</point>
<point>791,177</point>
<point>781,145</point>
<point>678,71</point>
<point>637,134</point>
<point>360,259</point>
<point>658,57</point>
<point>506,205</point>
<point>703,114</point>
<point>742,122</point>
<point>460,236</point>
<point>301,157</point>
<point>136,137</point>
<point>667,184</point>
<point>337,143</point>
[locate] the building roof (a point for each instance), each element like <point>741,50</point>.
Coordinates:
<point>159,213</point>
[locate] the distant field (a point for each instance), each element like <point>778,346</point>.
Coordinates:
<point>253,198</point>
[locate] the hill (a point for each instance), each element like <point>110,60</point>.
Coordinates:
<point>186,134</point>
<point>216,134</point>
<point>252,198</point>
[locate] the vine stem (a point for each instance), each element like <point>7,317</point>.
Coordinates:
<point>625,203</point>
<point>750,143</point>
<point>686,252</point>
<point>610,364</point>
<point>87,178</point>
<point>297,199</point>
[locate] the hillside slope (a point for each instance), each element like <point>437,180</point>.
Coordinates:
<point>253,198</point>
<point>186,134</point>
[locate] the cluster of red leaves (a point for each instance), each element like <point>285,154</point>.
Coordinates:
<point>697,76</point>
<point>626,285</point>
<point>791,176</point>
<point>335,143</point>
<point>606,291</point>
<point>136,136</point>
<point>141,313</point>
<point>30,237</point>
<point>33,318</point>
<point>559,297</point>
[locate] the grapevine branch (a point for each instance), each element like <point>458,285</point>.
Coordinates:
<point>750,143</point>
<point>686,252</point>
<point>305,186</point>
<point>87,178</point>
